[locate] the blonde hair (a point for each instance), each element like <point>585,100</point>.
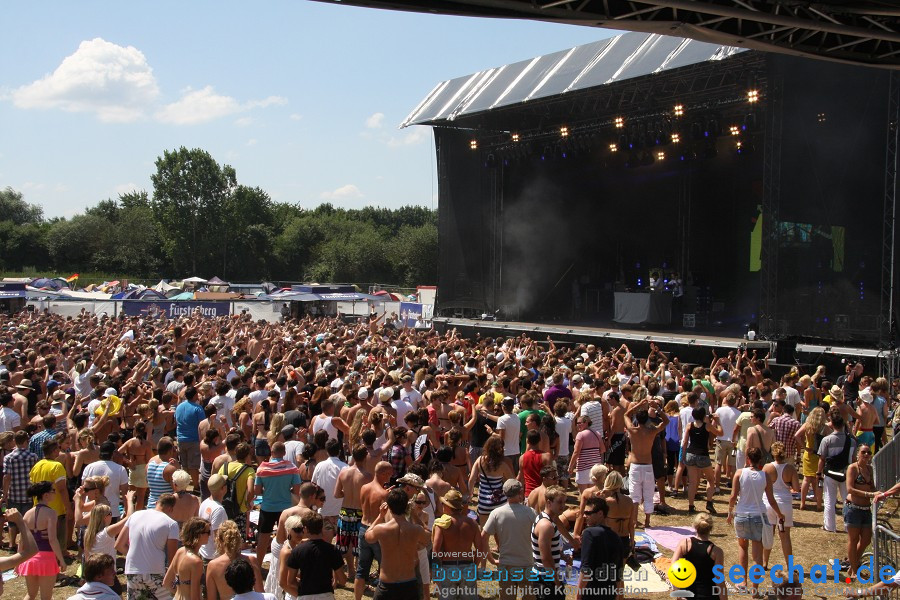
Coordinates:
<point>356,427</point>
<point>275,426</point>
<point>777,451</point>
<point>95,525</point>
<point>614,482</point>
<point>703,523</point>
<point>100,482</point>
<point>598,474</point>
<point>86,434</point>
<point>815,420</point>
<point>181,480</point>
<point>292,522</point>
<point>671,408</point>
<point>229,540</point>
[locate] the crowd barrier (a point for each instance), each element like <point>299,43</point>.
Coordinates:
<point>885,542</point>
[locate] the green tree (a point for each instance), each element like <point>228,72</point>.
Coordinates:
<point>14,208</point>
<point>413,254</point>
<point>190,191</point>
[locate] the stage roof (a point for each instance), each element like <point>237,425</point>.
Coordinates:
<point>616,59</point>
<point>853,31</point>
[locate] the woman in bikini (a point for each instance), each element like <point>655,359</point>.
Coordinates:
<point>41,569</point>
<point>228,545</point>
<point>137,452</point>
<point>622,516</point>
<point>858,506</point>
<point>185,573</point>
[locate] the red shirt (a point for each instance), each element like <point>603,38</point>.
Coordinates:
<point>531,470</point>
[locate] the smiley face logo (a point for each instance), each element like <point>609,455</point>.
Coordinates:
<point>682,573</point>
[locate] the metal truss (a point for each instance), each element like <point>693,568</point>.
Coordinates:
<point>889,224</point>
<point>852,31</point>
<point>771,239</point>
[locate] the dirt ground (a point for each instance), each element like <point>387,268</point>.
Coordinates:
<point>811,545</point>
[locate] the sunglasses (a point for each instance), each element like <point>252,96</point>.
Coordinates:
<point>422,502</point>
<point>297,529</point>
<point>588,513</point>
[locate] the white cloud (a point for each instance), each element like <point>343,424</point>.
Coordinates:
<point>296,117</point>
<point>198,106</point>
<point>375,121</point>
<point>202,106</point>
<point>113,82</point>
<point>244,121</point>
<point>116,84</point>
<point>345,192</point>
<point>251,142</point>
<point>125,188</point>
<point>411,137</point>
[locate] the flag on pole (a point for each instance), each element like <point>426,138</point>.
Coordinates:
<point>72,278</point>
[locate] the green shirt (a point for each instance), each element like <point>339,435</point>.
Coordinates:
<point>523,431</point>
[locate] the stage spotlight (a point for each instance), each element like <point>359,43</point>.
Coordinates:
<point>473,144</point>
<point>564,131</point>
<point>515,137</point>
<point>679,110</point>
<point>613,148</point>
<point>620,122</point>
<point>660,156</point>
<point>820,117</point>
<point>676,138</point>
<point>735,130</point>
<point>752,96</point>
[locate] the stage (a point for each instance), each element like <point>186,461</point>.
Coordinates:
<point>694,348</point>
<point>766,184</point>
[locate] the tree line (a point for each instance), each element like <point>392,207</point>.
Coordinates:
<point>200,221</point>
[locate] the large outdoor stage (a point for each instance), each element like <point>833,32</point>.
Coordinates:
<point>766,183</point>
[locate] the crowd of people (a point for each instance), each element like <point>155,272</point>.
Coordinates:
<point>228,458</point>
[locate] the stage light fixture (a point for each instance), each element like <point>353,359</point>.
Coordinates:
<point>613,148</point>
<point>515,137</point>
<point>564,131</point>
<point>473,144</point>
<point>676,138</point>
<point>679,110</point>
<point>820,117</point>
<point>620,122</point>
<point>660,155</point>
<point>753,96</point>
<point>735,130</point>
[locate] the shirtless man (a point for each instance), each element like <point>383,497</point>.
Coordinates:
<point>348,486</point>
<point>371,497</point>
<point>641,482</point>
<point>452,474</point>
<point>375,452</point>
<point>397,573</point>
<point>311,496</point>
<point>618,447</point>
<point>866,419</point>
<point>459,547</point>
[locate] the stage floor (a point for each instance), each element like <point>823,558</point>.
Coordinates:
<point>598,334</point>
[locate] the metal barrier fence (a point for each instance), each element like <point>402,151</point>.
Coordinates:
<point>885,542</point>
<point>886,546</point>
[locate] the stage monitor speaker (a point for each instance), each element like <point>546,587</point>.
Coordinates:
<point>786,352</point>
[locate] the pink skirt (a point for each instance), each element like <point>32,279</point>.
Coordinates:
<point>41,564</point>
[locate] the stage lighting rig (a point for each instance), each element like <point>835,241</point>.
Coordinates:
<point>735,130</point>
<point>679,110</point>
<point>473,144</point>
<point>564,131</point>
<point>753,96</point>
<point>620,122</point>
<point>515,137</point>
<point>613,148</point>
<point>676,138</point>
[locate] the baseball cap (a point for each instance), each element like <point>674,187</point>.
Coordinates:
<point>216,482</point>
<point>288,431</point>
<point>512,487</point>
<point>412,479</point>
<point>110,391</point>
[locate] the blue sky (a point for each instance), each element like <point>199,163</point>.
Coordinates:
<point>302,98</point>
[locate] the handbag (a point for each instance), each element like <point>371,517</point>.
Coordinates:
<point>836,466</point>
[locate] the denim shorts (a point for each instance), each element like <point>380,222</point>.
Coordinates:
<point>749,527</point>
<point>857,517</point>
<point>261,448</point>
<point>700,461</point>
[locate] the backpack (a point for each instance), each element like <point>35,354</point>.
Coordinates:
<point>231,503</point>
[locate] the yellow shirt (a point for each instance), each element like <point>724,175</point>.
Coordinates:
<point>497,398</point>
<point>52,471</point>
<point>233,468</point>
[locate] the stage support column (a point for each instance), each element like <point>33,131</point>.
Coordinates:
<point>495,183</point>
<point>886,318</point>
<point>771,238</point>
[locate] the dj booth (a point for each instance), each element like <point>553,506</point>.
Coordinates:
<point>643,308</point>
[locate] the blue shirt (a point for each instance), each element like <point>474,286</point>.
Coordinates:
<point>276,491</point>
<point>36,444</point>
<point>187,420</point>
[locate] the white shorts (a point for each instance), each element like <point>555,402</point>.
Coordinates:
<point>424,566</point>
<point>583,477</point>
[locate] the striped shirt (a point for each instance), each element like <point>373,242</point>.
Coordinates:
<point>555,544</point>
<point>593,411</point>
<point>158,485</point>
